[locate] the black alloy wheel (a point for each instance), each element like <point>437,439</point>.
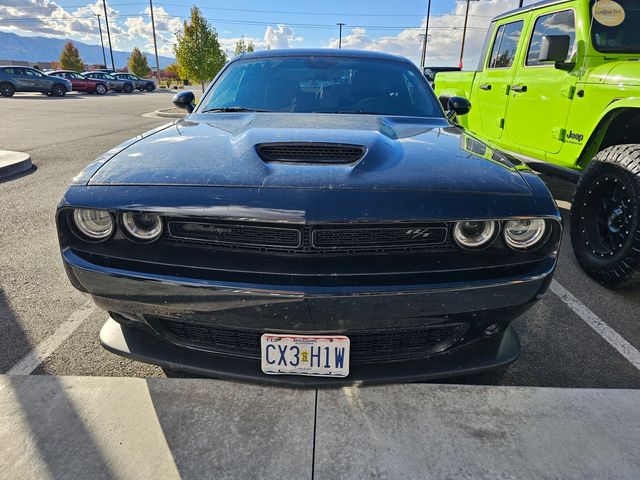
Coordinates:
<point>128,88</point>
<point>150,87</point>
<point>605,217</point>
<point>58,90</point>
<point>7,90</point>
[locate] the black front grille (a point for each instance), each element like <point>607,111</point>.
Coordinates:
<point>308,152</point>
<point>313,239</point>
<point>366,345</point>
<point>387,236</point>
<point>236,234</point>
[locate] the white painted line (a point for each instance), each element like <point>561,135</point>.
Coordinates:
<point>564,204</point>
<point>612,337</point>
<point>45,348</point>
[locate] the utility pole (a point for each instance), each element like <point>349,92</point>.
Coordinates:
<point>155,43</point>
<point>106,20</point>
<point>521,3</point>
<point>104,56</point>
<point>426,35</point>
<point>464,33</point>
<point>340,24</point>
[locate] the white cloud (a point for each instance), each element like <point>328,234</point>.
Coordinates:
<point>280,36</point>
<point>140,29</point>
<point>445,35</point>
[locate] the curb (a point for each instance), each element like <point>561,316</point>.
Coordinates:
<point>166,113</point>
<point>12,163</point>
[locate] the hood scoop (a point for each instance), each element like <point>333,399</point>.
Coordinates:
<point>310,152</point>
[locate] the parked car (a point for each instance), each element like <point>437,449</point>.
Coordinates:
<point>80,83</point>
<point>115,84</point>
<point>25,79</point>
<point>558,87</point>
<point>138,83</point>
<point>343,234</point>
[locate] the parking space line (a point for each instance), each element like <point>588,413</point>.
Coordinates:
<point>612,337</point>
<point>33,359</point>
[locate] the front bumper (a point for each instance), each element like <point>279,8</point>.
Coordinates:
<point>136,298</point>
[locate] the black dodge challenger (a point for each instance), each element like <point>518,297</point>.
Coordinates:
<point>317,219</point>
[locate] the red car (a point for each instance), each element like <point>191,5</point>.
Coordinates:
<point>80,83</point>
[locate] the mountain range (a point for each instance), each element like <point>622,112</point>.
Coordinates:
<point>45,49</point>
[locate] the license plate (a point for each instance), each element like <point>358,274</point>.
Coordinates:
<point>316,355</point>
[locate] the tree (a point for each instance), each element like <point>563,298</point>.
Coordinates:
<point>138,63</point>
<point>198,51</point>
<point>172,72</point>
<point>242,47</point>
<point>70,58</point>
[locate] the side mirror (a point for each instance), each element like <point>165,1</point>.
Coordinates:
<point>185,100</point>
<point>458,105</point>
<point>554,48</point>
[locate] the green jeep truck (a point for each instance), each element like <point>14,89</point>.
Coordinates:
<point>558,88</point>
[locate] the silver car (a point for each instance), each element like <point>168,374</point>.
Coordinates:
<point>24,79</point>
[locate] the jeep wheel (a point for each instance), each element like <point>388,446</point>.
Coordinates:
<point>605,217</point>
<point>58,91</point>
<point>128,88</point>
<point>101,89</point>
<point>7,90</point>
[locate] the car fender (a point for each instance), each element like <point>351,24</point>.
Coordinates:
<point>610,113</point>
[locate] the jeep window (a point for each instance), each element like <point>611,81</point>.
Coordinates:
<point>623,38</point>
<point>505,45</point>
<point>558,23</point>
<point>322,85</point>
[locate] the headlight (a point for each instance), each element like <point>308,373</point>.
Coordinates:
<point>525,233</point>
<point>93,224</point>
<point>475,234</point>
<point>145,227</point>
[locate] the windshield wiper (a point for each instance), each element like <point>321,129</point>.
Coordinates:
<point>233,109</point>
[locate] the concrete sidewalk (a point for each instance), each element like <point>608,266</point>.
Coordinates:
<point>94,427</point>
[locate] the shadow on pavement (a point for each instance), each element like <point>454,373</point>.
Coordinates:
<point>19,175</point>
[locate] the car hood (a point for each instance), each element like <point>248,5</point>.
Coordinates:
<point>401,154</point>
<point>620,73</point>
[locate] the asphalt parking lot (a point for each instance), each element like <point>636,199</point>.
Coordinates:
<point>579,335</point>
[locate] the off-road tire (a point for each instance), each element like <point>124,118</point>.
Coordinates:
<point>101,89</point>
<point>607,245</point>
<point>7,90</point>
<point>128,88</point>
<point>58,90</point>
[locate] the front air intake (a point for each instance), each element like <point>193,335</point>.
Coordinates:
<point>310,152</point>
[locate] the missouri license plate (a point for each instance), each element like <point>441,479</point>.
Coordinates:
<point>317,355</point>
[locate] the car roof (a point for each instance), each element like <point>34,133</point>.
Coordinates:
<point>323,52</point>
<point>528,8</point>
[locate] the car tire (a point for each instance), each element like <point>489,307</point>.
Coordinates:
<point>128,88</point>
<point>58,90</point>
<point>605,217</point>
<point>101,89</point>
<point>150,88</point>
<point>7,90</point>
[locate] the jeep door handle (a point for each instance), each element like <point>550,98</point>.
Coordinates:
<point>519,88</point>
<point>485,86</point>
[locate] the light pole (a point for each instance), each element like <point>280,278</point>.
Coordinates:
<point>106,21</point>
<point>340,24</point>
<point>104,56</point>
<point>426,35</point>
<point>464,32</point>
<point>155,44</point>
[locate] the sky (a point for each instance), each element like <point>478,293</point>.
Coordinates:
<point>391,26</point>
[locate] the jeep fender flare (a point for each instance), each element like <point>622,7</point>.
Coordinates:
<point>616,108</point>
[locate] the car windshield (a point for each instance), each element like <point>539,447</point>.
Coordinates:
<point>617,31</point>
<point>322,85</point>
